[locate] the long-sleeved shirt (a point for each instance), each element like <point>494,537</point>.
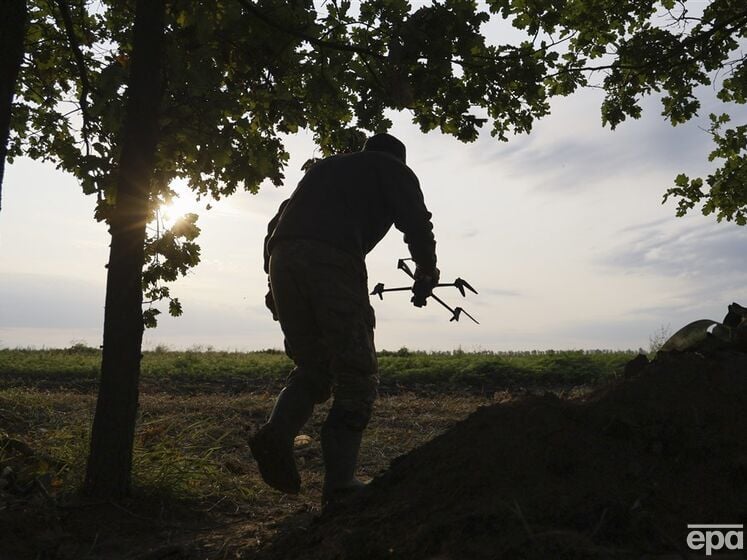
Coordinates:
<point>351,201</point>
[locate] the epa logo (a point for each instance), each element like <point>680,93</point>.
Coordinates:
<point>715,537</point>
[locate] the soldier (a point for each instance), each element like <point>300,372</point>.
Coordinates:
<point>315,253</point>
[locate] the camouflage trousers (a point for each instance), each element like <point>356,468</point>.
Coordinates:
<point>321,299</point>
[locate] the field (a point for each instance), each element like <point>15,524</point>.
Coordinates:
<point>197,490</point>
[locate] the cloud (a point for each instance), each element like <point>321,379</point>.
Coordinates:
<point>644,226</point>
<point>46,301</point>
<point>38,310</point>
<point>703,261</point>
<point>38,337</point>
<point>696,248</point>
<point>629,333</point>
<point>501,293</point>
<point>214,320</point>
<point>570,151</point>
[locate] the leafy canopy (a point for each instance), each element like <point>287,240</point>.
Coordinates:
<point>644,47</point>
<point>240,75</point>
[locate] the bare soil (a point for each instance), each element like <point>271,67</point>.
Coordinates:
<point>617,474</point>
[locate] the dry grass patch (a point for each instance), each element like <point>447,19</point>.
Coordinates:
<point>193,473</point>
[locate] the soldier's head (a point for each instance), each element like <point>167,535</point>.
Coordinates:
<point>384,142</point>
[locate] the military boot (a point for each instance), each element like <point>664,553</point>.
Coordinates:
<point>272,445</point>
<point>340,446</point>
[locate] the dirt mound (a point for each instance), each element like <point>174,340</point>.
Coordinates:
<point>617,475</point>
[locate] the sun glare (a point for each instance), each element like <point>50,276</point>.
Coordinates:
<point>183,203</point>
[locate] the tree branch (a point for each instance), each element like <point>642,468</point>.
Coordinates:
<point>80,63</point>
<point>515,54</point>
<point>691,40</point>
<point>12,32</point>
<point>716,28</point>
<point>256,12</point>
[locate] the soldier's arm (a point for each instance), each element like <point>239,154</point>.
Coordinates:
<point>270,230</point>
<point>269,299</point>
<point>413,219</point>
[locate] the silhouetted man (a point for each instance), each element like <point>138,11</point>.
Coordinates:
<point>315,253</point>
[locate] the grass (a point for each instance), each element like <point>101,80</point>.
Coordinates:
<point>193,475</point>
<point>191,456</point>
<point>78,366</point>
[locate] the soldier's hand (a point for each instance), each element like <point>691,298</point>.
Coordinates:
<point>425,281</point>
<point>270,303</point>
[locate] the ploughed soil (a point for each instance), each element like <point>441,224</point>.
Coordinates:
<point>619,473</point>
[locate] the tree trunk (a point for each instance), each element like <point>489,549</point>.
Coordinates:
<point>110,461</point>
<point>12,31</point>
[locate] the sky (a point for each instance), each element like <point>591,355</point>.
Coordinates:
<point>562,232</point>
